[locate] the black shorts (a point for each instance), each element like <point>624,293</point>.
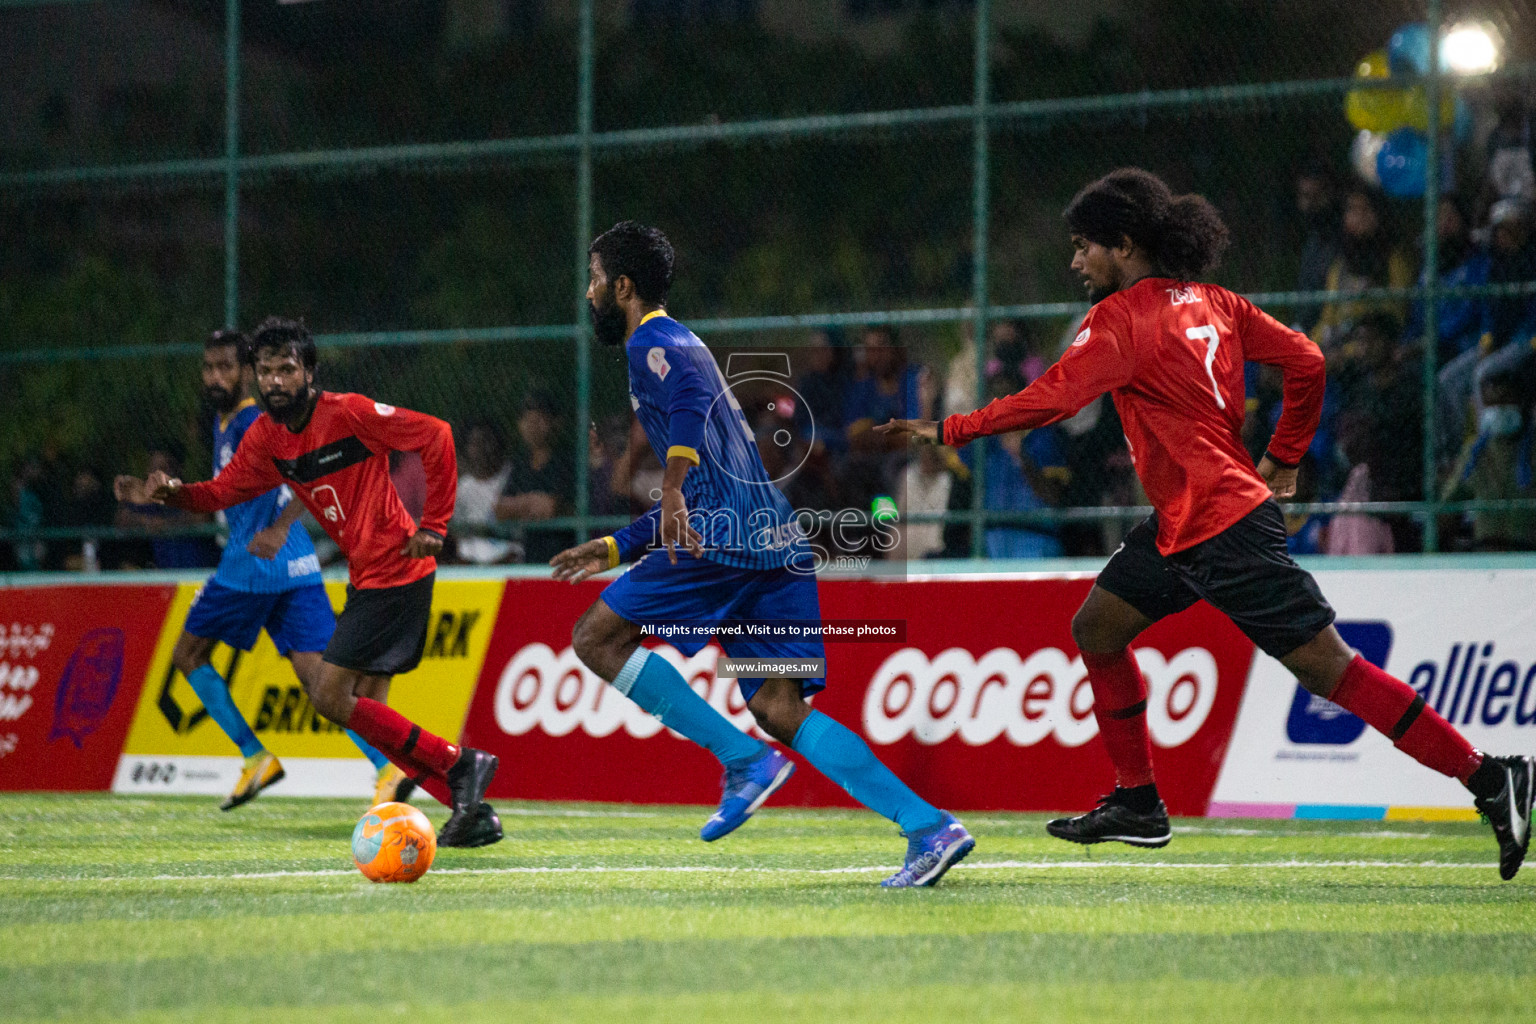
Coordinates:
<point>383,632</point>
<point>1245,571</point>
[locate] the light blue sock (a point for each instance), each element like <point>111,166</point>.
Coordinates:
<point>375,758</point>
<point>214,693</point>
<point>840,755</point>
<point>659,688</point>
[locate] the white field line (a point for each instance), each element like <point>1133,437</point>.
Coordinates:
<point>1009,865</point>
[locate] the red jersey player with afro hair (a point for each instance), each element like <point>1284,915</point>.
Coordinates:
<point>1170,351</point>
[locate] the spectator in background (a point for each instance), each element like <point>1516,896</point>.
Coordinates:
<point>822,384</point>
<point>1318,210</point>
<point>541,484</point>
<point>637,473</point>
<point>1367,259</point>
<point>486,470</point>
<point>1505,329</point>
<point>926,488</point>
<point>1497,463</point>
<point>888,388</point>
<point>1384,385</point>
<point>1010,345</point>
<point>1358,533</point>
<point>1461,265</point>
<point>25,514</point>
<point>1511,174</point>
<point>91,504</point>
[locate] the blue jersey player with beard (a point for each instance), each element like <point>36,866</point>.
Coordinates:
<point>268,578</point>
<point>721,548</point>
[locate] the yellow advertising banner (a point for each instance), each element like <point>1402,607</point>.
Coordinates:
<point>170,721</point>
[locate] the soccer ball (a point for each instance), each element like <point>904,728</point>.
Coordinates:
<point>393,842</point>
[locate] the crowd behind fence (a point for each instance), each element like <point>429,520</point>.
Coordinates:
<point>870,248</point>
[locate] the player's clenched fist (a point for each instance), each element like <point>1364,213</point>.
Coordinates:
<point>154,490</point>
<point>423,544</point>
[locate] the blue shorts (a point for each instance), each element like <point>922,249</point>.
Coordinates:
<point>698,591</point>
<point>297,620</point>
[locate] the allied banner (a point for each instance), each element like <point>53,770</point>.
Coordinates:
<point>174,747</point>
<point>1466,640</point>
<point>983,705</point>
<point>72,661</point>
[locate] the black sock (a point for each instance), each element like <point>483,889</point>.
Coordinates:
<point>1488,781</point>
<point>1141,799</point>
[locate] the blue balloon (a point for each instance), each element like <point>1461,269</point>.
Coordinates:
<point>1402,162</point>
<point>1408,50</point>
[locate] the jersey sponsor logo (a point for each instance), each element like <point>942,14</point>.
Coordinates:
<point>1082,337</point>
<point>226,452</point>
<point>1026,699</point>
<point>656,359</point>
<point>303,566</point>
<point>88,686</point>
<point>383,410</point>
<point>330,503</point>
<point>1182,296</point>
<point>325,460</point>
<point>1317,720</point>
<point>557,695</point>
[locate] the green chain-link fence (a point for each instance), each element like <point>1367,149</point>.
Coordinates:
<point>420,182</point>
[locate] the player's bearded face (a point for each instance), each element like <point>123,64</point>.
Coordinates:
<point>220,398</point>
<point>284,389</point>
<point>608,321</point>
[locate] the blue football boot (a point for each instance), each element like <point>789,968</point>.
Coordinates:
<point>745,789</point>
<point>932,852</point>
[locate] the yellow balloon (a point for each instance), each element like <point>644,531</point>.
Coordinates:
<point>1377,110</point>
<point>1416,110</point>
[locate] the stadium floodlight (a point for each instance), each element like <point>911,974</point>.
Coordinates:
<point>1470,48</point>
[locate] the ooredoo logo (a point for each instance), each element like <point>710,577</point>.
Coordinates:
<point>557,694</point>
<point>1026,699</point>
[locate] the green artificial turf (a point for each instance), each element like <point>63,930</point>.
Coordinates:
<point>129,909</point>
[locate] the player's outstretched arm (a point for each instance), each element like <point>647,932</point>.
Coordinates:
<point>921,430</point>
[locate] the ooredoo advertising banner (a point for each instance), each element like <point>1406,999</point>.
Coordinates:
<point>72,659</point>
<point>983,705</point>
<point>1466,640</point>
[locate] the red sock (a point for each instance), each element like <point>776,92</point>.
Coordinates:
<point>413,750</point>
<point>437,788</point>
<point>1120,705</point>
<point>1394,709</point>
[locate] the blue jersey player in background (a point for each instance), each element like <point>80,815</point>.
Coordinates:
<point>743,559</point>
<point>268,578</point>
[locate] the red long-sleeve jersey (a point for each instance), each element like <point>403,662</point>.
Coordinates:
<point>1171,355</point>
<point>338,466</point>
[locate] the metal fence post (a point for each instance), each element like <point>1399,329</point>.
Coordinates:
<point>1431,288</point>
<point>980,212</point>
<point>231,163</point>
<point>584,73</point>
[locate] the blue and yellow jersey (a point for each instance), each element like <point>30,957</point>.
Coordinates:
<point>686,408</point>
<point>296,564</point>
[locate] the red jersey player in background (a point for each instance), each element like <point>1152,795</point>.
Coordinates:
<point>332,449</point>
<point>1170,352</point>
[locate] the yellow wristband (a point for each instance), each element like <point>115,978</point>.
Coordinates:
<point>613,552</point>
<point>685,452</point>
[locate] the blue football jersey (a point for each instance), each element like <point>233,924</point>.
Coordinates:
<point>686,408</point>
<point>296,565</point>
